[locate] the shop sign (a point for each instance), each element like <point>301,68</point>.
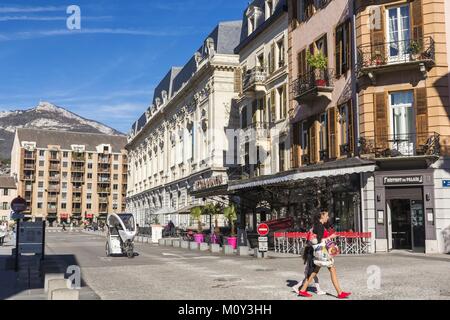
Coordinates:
<point>263,244</point>
<point>403,180</point>
<point>446,183</point>
<point>208,183</point>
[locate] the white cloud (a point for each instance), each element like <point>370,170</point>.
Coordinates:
<point>31,9</point>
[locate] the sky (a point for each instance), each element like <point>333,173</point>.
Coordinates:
<point>107,70</point>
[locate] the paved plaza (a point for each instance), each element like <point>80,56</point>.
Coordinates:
<point>174,273</point>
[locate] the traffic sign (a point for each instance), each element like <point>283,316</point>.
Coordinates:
<point>263,244</point>
<point>263,229</point>
<point>18,204</point>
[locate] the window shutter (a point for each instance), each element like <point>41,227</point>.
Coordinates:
<point>238,80</point>
<point>301,60</point>
<point>285,102</point>
<point>272,58</point>
<point>381,120</point>
<point>273,115</point>
<point>417,20</point>
<point>420,103</point>
<point>294,13</point>
<point>351,131</point>
<point>332,146</point>
<point>312,143</point>
<point>377,37</point>
<point>295,154</point>
<point>254,108</point>
<point>338,50</point>
<point>348,45</point>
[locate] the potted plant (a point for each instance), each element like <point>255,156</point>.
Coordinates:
<point>196,214</point>
<point>414,50</point>
<point>231,215</point>
<point>318,62</point>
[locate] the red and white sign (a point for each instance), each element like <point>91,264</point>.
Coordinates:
<point>89,215</point>
<point>263,229</point>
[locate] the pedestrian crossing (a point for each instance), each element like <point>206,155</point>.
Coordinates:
<point>65,231</point>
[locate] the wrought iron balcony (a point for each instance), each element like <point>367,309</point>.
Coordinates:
<point>54,178</point>
<point>78,157</point>
<point>401,145</point>
<point>313,84</point>
<point>77,178</point>
<point>255,130</point>
<point>253,80</point>
<point>395,55</point>
<point>29,155</point>
<point>77,168</point>
<point>28,177</point>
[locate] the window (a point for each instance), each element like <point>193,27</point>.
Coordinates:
<point>342,51</point>
<point>63,205</point>
<point>116,177</point>
<point>244,122</point>
<point>41,173</point>
<point>301,63</point>
<point>272,103</point>
<point>41,163</point>
<point>402,121</point>
<point>281,156</point>
<point>282,101</point>
<point>89,165</point>
<point>5,206</point>
<point>343,124</point>
<point>65,154</point>
<point>116,157</point>
<point>90,156</point>
<point>63,195</point>
<point>89,175</point>
<point>281,53</point>
<point>269,8</point>
<point>305,137</point>
<point>115,187</point>
<point>323,132</point>
<point>40,195</point>
<point>89,186</point>
<point>115,196</point>
<point>64,164</point>
<point>88,206</point>
<point>5,192</point>
<point>307,9</point>
<point>116,167</point>
<point>398,32</point>
<point>105,149</point>
<point>88,196</point>
<point>64,185</point>
<point>41,153</point>
<point>39,205</point>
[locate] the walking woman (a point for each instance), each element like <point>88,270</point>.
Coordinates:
<point>323,234</point>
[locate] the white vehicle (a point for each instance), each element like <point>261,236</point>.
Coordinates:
<point>121,232</point>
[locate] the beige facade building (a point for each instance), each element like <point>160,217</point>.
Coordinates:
<point>8,191</point>
<point>68,176</point>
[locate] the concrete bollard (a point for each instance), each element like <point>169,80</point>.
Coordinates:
<point>168,242</point>
<point>51,276</point>
<point>228,250</point>
<point>243,251</point>
<point>56,284</point>
<point>161,242</point>
<point>204,246</point>
<point>258,254</point>
<point>215,248</point>
<point>65,294</point>
<point>176,243</point>
<point>185,244</point>
<point>194,245</point>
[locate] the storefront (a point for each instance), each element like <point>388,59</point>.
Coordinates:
<point>405,210</point>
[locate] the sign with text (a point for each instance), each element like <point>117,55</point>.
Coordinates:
<point>208,183</point>
<point>263,244</point>
<point>263,229</point>
<point>446,183</point>
<point>403,180</point>
<point>31,237</point>
<point>18,205</point>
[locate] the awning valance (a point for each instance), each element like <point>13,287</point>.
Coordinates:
<point>338,170</point>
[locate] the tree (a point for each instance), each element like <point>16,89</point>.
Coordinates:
<point>231,215</point>
<point>196,214</point>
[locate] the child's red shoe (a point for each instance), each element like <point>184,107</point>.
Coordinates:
<point>304,294</point>
<point>343,295</point>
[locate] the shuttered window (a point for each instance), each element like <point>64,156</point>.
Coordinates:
<point>381,120</point>
<point>301,61</point>
<point>273,114</point>
<point>332,132</point>
<point>420,104</point>
<point>342,48</point>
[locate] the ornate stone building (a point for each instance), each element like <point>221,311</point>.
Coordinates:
<point>179,144</point>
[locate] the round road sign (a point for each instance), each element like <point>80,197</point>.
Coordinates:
<point>263,229</point>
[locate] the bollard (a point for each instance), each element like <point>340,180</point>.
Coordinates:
<point>65,294</point>
<point>243,251</point>
<point>204,246</point>
<point>194,245</point>
<point>176,243</point>
<point>51,276</point>
<point>215,248</point>
<point>185,244</point>
<point>161,242</point>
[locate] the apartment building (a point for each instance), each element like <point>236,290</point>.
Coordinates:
<point>403,85</point>
<point>264,96</point>
<point>70,176</point>
<point>8,191</point>
<point>178,146</point>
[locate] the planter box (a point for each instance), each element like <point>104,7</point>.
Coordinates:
<point>194,245</point>
<point>243,251</point>
<point>176,243</point>
<point>204,246</point>
<point>185,244</point>
<point>215,248</point>
<point>228,250</point>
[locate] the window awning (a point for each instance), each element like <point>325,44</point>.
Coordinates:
<point>335,168</point>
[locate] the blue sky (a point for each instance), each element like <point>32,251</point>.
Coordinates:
<point>108,70</point>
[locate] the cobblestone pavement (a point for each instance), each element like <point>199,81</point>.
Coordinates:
<point>175,273</point>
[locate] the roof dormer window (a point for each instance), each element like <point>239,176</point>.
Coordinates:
<point>270,5</point>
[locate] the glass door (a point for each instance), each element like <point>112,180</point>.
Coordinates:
<point>402,122</point>
<point>398,33</point>
<point>401,223</point>
<point>418,225</point>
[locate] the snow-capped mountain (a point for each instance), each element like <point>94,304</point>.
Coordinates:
<point>44,116</point>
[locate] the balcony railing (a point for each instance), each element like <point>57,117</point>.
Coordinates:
<point>52,210</point>
<point>28,177</point>
<point>103,190</point>
<point>104,180</point>
<point>312,82</point>
<point>77,168</point>
<point>54,167</point>
<point>54,178</point>
<point>105,160</point>
<point>78,157</point>
<point>52,199</point>
<point>77,178</point>
<point>76,210</point>
<point>253,78</point>
<point>401,145</point>
<point>103,170</point>
<point>29,166</point>
<point>103,199</point>
<point>256,130</point>
<point>395,53</point>
<point>29,155</point>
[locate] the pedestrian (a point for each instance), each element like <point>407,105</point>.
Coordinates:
<point>323,234</point>
<point>3,231</point>
<point>63,226</point>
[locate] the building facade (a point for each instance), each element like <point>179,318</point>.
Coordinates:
<point>179,144</point>
<point>402,67</point>
<point>8,191</point>
<point>70,176</point>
